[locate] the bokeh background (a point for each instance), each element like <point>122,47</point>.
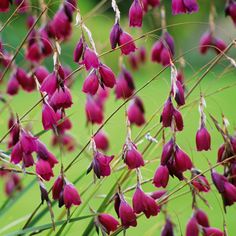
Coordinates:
<point>99,19</point>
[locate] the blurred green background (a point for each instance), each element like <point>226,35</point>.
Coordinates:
<point>99,21</point>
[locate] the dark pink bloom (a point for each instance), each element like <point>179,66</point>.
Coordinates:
<point>202,218</point>
<point>41,73</point>
<point>230,10</point>
<point>154,3</point>
<point>192,227</point>
<point>28,142</point>
<point>101,165</point>
<point>44,169</point>
<point>107,76</point>
<point>101,141</point>
<point>184,6</point>
<point>201,184</point>
<point>161,177</point>
<point>136,112</point>
<point>133,61</point>
<point>142,54</point>
<point>16,154</point>
<point>167,151</point>
<point>220,45</point>
<point>57,188</point>
<point>49,84</point>
<point>27,83</point>
<point>90,59</point>
<point>78,52</point>
<point>167,113</point>
<point>179,94</point>
<point>49,118</point>
<point>4,5</point>
<point>168,228</point>
<point>169,41</point>
<point>205,42</point>
<point>210,231</point>
<point>115,35</point>
<point>126,43</point>
<point>94,112</point>
<point>144,203</point>
<point>13,85</point>
<point>61,26</point>
<point>34,53</point>
<point>156,52</point>
<point>71,196</point>
<point>124,85</point>
<point>203,139</point>
<point>158,194</point>
<point>165,57</point>
<point>91,84</point>
<point>179,124</point>
<point>132,157</point>
<point>127,215</point>
<point>61,98</point>
<point>135,14</point>
<point>108,222</point>
<point>182,160</point>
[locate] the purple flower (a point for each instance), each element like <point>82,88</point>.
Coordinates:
<point>135,14</point>
<point>90,59</point>
<point>203,139</point>
<point>91,84</point>
<point>115,35</point>
<point>49,118</point>
<point>192,227</point>
<point>78,52</point>
<point>126,43</point>
<point>161,177</point>
<point>107,76</point>
<point>184,6</point>
<point>230,10</point>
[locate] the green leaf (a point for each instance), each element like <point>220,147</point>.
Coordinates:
<point>41,228</point>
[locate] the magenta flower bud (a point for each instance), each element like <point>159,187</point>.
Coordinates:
<point>133,61</point>
<point>61,26</point>
<point>201,184</point>
<point>136,112</point>
<point>165,57</point>
<point>115,35</point>
<point>44,169</point>
<point>108,223</point>
<point>230,10</point>
<point>178,120</point>
<point>34,53</point>
<point>156,52</point>
<point>192,227</point>
<point>27,83</point>
<point>202,218</point>
<point>210,231</point>
<point>90,59</point>
<point>167,113</point>
<point>94,112</point>
<point>49,118</point>
<point>182,160</point>
<point>179,94</point>
<point>28,160</point>
<point>61,98</point>
<point>219,181</point>
<point>221,153</point>
<point>107,76</point>
<point>4,5</point>
<point>135,14</point>
<point>79,50</point>
<point>57,188</point>
<point>127,215</point>
<point>28,142</point>
<point>71,196</point>
<point>205,42</point>
<point>101,141</point>
<point>220,45</point>
<point>91,84</point>
<point>101,165</point>
<point>167,229</point>
<point>144,203</point>
<point>41,74</point>
<point>161,177</point>
<point>124,85</point>
<point>203,139</point>
<point>16,154</point>
<point>229,195</point>
<point>167,152</point>
<point>154,3</point>
<point>132,157</point>
<point>184,6</point>
<point>13,85</point>
<point>126,43</point>
<point>170,42</point>
<point>49,84</point>
<point>142,54</point>
<point>158,194</point>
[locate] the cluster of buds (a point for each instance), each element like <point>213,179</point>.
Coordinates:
<point>65,192</point>
<point>184,6</point>
<point>12,182</point>
<point>199,223</point>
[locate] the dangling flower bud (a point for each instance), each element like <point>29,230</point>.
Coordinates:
<point>91,84</point>
<point>203,139</point>
<point>135,14</point>
<point>79,50</point>
<point>108,223</point>
<point>115,35</point>
<point>192,227</point>
<point>126,42</point>
<point>161,177</point>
